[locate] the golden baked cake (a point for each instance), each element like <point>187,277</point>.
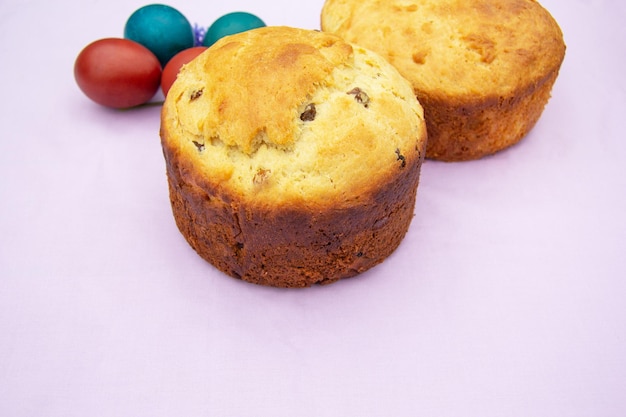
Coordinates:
<point>292,157</point>
<point>482,69</point>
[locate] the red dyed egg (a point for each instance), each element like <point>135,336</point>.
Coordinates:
<point>117,73</point>
<point>175,64</point>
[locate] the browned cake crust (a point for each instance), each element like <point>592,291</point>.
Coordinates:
<point>482,69</point>
<point>473,128</point>
<point>293,246</point>
<point>288,196</point>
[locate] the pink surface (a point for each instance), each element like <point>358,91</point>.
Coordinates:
<point>507,297</point>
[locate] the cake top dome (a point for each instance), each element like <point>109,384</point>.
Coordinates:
<point>279,114</point>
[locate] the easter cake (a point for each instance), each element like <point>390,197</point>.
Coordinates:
<point>292,156</point>
<point>483,69</point>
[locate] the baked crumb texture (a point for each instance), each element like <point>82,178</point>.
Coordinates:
<point>292,156</point>
<point>482,69</point>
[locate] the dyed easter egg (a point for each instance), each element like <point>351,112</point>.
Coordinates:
<point>160,28</point>
<point>117,73</point>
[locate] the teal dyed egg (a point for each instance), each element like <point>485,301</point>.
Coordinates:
<point>160,28</point>
<point>230,24</point>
